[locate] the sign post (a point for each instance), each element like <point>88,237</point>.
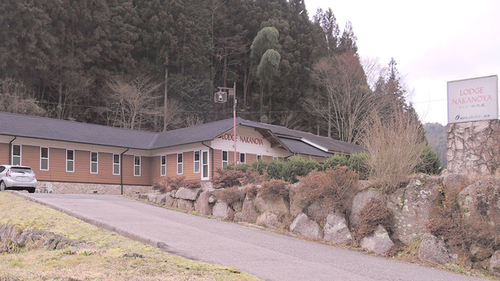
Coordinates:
<point>473,99</point>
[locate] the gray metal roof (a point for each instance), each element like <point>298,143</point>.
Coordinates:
<point>54,129</point>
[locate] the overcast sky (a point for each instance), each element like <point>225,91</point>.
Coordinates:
<point>432,42</point>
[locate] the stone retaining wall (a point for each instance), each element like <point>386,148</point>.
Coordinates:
<point>473,147</point>
<point>86,188</point>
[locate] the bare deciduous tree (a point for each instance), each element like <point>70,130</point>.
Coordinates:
<point>345,102</point>
<point>16,97</point>
<point>133,101</point>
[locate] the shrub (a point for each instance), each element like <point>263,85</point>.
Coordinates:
<point>168,184</point>
<point>337,185</point>
<point>253,177</point>
<point>230,195</point>
<point>296,166</point>
<point>251,191</point>
<point>395,145</point>
<point>275,169</point>
<point>358,163</point>
<point>274,189</point>
<point>334,161</point>
<point>227,178</point>
<point>429,163</point>
<point>373,214</point>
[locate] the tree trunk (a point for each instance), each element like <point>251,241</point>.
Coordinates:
<point>59,103</point>
<point>165,98</point>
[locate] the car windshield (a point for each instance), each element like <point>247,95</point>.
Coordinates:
<point>20,170</point>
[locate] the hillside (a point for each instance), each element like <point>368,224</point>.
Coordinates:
<point>436,136</point>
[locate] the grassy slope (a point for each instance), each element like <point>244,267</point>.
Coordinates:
<point>103,261</point>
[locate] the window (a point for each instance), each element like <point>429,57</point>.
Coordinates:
<point>16,154</point>
<point>44,158</point>
<point>242,158</point>
<point>259,157</point>
<point>116,164</point>
<point>225,159</point>
<point>196,163</point>
<point>179,164</point>
<point>205,168</point>
<point>137,166</point>
<point>70,161</point>
<point>163,165</point>
<point>93,162</point>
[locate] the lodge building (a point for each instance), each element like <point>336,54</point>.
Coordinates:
<point>103,159</point>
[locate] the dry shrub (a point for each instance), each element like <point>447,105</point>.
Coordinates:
<point>168,184</point>
<point>227,178</point>
<point>230,195</point>
<point>395,145</point>
<point>373,214</point>
<point>253,177</point>
<point>274,189</point>
<point>251,190</point>
<point>337,185</point>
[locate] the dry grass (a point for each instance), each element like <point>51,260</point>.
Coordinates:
<point>105,260</point>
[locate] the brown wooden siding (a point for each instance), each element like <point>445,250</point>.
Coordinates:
<point>57,167</point>
<point>4,153</point>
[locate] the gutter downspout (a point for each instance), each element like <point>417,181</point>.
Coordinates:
<point>10,150</point>
<point>212,158</point>
<point>121,169</point>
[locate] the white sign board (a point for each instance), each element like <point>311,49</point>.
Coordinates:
<point>473,99</point>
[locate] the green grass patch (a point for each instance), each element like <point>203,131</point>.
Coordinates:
<point>107,257</point>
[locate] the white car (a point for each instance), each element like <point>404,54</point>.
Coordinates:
<point>17,177</point>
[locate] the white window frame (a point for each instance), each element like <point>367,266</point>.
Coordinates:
<point>137,166</point>
<point>163,165</point>
<point>72,161</point>
<point>116,164</point>
<point>196,163</point>
<point>226,161</point>
<point>96,162</point>
<point>20,156</point>
<point>180,164</point>
<point>244,158</point>
<point>205,163</point>
<point>44,158</point>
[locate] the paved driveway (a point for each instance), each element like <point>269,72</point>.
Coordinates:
<point>259,252</point>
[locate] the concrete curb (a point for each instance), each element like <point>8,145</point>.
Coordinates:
<point>134,236</point>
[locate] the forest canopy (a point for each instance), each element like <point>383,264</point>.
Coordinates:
<point>154,65</point>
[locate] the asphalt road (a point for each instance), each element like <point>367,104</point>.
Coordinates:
<point>262,253</point>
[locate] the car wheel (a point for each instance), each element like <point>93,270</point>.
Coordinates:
<point>2,186</point>
<point>31,190</point>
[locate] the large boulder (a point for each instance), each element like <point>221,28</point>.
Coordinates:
<point>434,250</point>
<point>278,206</point>
<point>248,211</point>
<point>319,210</point>
<point>221,210</point>
<point>306,227</point>
<point>186,205</point>
<point>412,207</point>
<point>480,204</point>
<point>202,205</point>
<point>360,201</point>
<point>296,206</point>
<point>454,183</point>
<point>161,199</point>
<point>269,220</point>
<point>170,201</point>
<point>188,193</point>
<point>379,242</point>
<point>494,265</point>
<point>336,229</point>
